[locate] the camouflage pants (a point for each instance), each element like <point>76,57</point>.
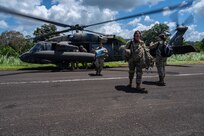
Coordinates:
<point>132,66</point>
<point>99,65</point>
<point>160,64</point>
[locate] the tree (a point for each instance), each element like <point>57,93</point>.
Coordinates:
<point>13,43</point>
<point>151,35</point>
<point>202,44</point>
<point>43,30</point>
<point>122,40</point>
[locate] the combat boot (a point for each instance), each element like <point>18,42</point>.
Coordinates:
<point>161,81</point>
<point>130,84</point>
<point>139,89</point>
<point>138,86</point>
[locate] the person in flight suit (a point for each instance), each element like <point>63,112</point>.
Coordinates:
<point>134,53</point>
<point>160,60</point>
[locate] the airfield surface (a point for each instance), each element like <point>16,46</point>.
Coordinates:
<point>73,103</point>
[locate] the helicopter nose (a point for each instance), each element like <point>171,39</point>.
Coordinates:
<point>24,57</point>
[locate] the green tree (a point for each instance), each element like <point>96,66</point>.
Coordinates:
<point>198,46</point>
<point>202,44</point>
<point>13,43</point>
<point>41,33</point>
<point>122,40</point>
<point>151,35</point>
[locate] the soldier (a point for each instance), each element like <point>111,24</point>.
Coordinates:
<point>160,61</point>
<point>134,53</point>
<point>101,54</point>
<point>82,49</point>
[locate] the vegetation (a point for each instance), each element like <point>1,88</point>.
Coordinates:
<point>122,40</point>
<point>44,32</point>
<point>13,43</point>
<point>151,35</point>
<point>8,63</point>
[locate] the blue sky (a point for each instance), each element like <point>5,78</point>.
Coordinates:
<point>87,12</point>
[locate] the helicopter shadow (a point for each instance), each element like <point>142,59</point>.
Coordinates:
<point>128,89</point>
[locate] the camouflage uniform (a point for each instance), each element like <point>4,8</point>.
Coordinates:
<point>160,61</point>
<point>82,49</point>
<point>134,60</point>
<point>99,62</point>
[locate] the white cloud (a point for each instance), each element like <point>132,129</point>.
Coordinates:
<point>142,27</point>
<point>198,8</point>
<point>3,24</point>
<point>135,21</point>
<point>87,12</point>
<point>119,4</point>
<point>193,35</point>
<point>148,19</point>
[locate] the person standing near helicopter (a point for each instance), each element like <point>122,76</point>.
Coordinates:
<point>101,54</point>
<point>160,59</point>
<point>134,53</point>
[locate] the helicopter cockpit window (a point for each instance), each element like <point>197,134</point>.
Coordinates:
<point>40,47</point>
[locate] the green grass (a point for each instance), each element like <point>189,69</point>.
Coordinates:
<point>190,58</point>
<point>12,63</point>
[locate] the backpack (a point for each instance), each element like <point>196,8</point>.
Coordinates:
<point>166,50</point>
<point>153,51</point>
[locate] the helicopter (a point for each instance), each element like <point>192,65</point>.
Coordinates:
<point>61,50</point>
<point>177,39</point>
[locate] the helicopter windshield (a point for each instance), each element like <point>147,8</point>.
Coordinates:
<point>41,47</point>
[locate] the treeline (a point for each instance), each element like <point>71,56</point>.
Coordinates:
<point>13,43</point>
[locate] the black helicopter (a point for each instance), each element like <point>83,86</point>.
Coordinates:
<point>177,39</point>
<point>62,50</point>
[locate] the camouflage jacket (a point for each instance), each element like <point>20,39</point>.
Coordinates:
<point>139,53</point>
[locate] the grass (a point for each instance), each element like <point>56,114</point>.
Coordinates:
<point>12,63</point>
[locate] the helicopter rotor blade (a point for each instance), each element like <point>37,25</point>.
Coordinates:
<point>54,33</point>
<point>17,13</point>
<point>189,20</point>
<point>178,6</point>
<point>174,18</point>
<point>95,32</point>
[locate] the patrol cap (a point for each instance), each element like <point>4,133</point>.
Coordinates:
<point>162,36</point>
<point>102,39</point>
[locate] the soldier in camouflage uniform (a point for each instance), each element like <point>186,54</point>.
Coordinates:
<point>160,61</point>
<point>134,54</point>
<point>99,62</point>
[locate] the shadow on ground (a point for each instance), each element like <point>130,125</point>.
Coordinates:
<point>128,89</point>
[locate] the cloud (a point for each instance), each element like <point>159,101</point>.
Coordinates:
<point>198,8</point>
<point>148,19</point>
<point>193,35</point>
<point>85,12</point>
<point>118,4</point>
<point>135,22</point>
<point>3,24</point>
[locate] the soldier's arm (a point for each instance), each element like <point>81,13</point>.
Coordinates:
<point>153,45</point>
<point>127,46</point>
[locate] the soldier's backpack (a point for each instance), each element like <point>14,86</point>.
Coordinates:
<point>166,51</point>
